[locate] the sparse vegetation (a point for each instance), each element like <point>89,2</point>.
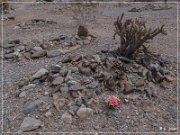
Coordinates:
<point>133,34</point>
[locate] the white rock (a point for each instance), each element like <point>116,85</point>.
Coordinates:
<point>40,73</point>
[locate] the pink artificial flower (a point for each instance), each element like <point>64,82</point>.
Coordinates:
<point>113,101</point>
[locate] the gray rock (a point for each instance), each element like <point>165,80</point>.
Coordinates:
<point>86,41</point>
<point>67,118</point>
<point>21,48</point>
<point>22,94</point>
<point>37,49</point>
<point>40,73</point>
<point>59,103</point>
<point>9,56</point>
<point>58,81</point>
<point>30,124</point>
<point>29,86</point>
<point>84,113</point>
<point>92,85</point>
<point>129,88</point>
<point>38,54</point>
<point>76,87</point>
<point>8,46</point>
<point>71,82</point>
<point>48,114</point>
<point>31,106</point>
<point>54,53</point>
<point>55,68</point>
<point>97,59</point>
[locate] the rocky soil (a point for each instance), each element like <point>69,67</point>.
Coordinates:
<point>57,75</point>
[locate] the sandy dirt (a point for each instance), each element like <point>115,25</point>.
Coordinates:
<point>149,115</point>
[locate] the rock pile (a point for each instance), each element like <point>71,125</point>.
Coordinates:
<point>78,81</point>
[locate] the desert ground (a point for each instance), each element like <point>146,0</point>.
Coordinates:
<point>57,81</point>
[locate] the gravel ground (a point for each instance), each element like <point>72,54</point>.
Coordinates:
<point>99,20</point>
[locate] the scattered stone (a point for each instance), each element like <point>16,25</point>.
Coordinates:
<point>67,118</point>
<point>22,83</point>
<point>22,94</point>
<point>55,68</point>
<point>48,114</point>
<point>97,59</point>
<point>76,87</point>
<point>9,56</point>
<point>63,72</point>
<point>68,76</point>
<point>82,31</point>
<point>37,49</point>
<point>74,94</point>
<point>62,36</point>
<point>169,78</point>
<point>84,113</point>
<point>31,106</point>
<point>8,46</point>
<point>54,53</point>
<point>28,48</point>
<point>76,58</point>
<point>74,69</point>
<point>16,41</point>
<point>20,48</point>
<point>139,83</point>
<point>40,73</point>
<point>129,88</point>
<point>27,55</point>
<point>59,103</point>
<point>66,59</point>
<point>86,71</point>
<point>86,41</point>
<point>29,86</point>
<point>158,77</point>
<point>58,81</point>
<point>92,85</point>
<point>39,54</point>
<point>30,124</point>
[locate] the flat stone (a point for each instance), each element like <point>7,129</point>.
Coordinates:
<point>29,86</point>
<point>85,71</point>
<point>54,53</point>
<point>67,118</point>
<point>128,88</point>
<point>31,106</point>
<point>40,73</point>
<point>55,68</point>
<point>21,48</point>
<point>84,113</point>
<point>8,46</point>
<point>30,124</point>
<point>37,49</point>
<point>22,94</point>
<point>58,81</point>
<point>16,41</point>
<point>139,83</point>
<point>9,56</point>
<point>76,87</point>
<point>38,54</point>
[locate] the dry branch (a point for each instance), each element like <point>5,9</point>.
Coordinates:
<point>133,34</point>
